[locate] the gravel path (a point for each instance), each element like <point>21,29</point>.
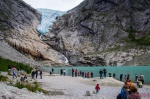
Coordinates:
<point>66,87</point>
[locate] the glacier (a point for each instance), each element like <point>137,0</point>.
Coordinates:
<point>48,17</point>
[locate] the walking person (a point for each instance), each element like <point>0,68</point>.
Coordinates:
<point>14,73</point>
<point>97,88</point>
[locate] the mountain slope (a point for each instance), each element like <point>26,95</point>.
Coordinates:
<point>18,30</point>
<point>104,32</point>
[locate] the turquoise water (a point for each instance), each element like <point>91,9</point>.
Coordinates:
<point>132,70</point>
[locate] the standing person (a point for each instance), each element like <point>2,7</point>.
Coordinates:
<point>128,76</point>
<point>32,74</point>
<point>50,73</point>
<point>88,74</point>
<point>139,83</point>
<point>36,73</point>
<point>40,74</point>
<point>80,73</point>
<point>9,69</point>
<point>76,72</point>
<point>72,72</point>
<point>142,78</point>
<point>121,75</point>
<point>91,74</point>
<point>134,93</point>
<point>52,70</point>
<point>83,74</point>
<point>97,88</point>
<point>61,72</point>
<point>64,71</point>
<point>101,72</point>
<point>136,77</point>
<point>114,75</point>
<point>125,78</point>
<point>104,70</point>
<point>109,74</point>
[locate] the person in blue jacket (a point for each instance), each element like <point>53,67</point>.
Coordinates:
<point>125,91</point>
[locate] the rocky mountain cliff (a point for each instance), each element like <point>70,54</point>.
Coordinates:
<point>19,40</point>
<point>104,32</point>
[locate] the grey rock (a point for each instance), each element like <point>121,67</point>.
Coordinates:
<point>98,26</point>
<point>19,38</point>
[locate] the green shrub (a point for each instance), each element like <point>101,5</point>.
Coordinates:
<point>3,78</point>
<point>4,63</point>
<point>144,41</point>
<point>31,87</point>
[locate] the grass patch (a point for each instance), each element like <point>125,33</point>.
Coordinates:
<point>3,78</point>
<point>145,40</point>
<point>4,63</point>
<point>31,87</point>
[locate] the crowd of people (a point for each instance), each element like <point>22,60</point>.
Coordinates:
<point>15,73</point>
<point>129,90</point>
<point>35,72</point>
<point>76,73</point>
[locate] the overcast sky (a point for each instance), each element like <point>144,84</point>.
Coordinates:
<point>61,5</point>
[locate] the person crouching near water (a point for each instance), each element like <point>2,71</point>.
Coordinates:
<point>134,93</point>
<point>97,88</point>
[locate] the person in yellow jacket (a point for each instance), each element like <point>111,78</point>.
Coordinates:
<point>139,83</point>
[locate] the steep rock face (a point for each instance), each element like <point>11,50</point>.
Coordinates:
<point>18,28</point>
<point>96,26</point>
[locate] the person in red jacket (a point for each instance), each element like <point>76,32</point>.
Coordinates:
<point>97,88</point>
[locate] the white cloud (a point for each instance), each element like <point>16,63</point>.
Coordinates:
<point>62,5</point>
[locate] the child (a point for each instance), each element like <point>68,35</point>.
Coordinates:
<point>97,88</point>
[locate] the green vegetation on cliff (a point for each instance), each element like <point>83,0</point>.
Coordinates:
<point>145,40</point>
<point>4,63</point>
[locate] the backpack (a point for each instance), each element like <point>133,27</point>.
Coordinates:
<point>119,96</point>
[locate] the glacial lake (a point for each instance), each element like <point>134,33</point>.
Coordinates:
<point>132,70</point>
